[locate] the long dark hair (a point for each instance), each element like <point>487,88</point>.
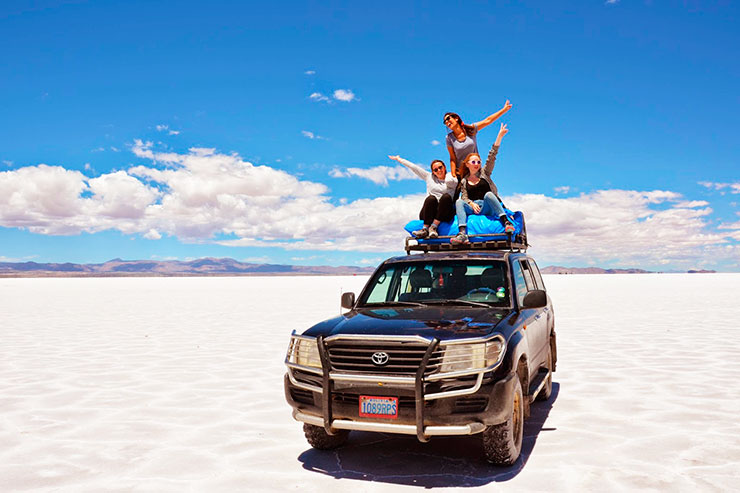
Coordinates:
<point>468,129</point>
<point>431,166</point>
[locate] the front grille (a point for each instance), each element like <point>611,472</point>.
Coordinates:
<point>404,358</point>
<point>470,405</point>
<point>302,396</point>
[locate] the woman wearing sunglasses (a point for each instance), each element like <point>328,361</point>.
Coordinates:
<point>461,140</point>
<point>478,193</point>
<point>438,204</point>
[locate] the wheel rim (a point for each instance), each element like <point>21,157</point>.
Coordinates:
<point>517,417</point>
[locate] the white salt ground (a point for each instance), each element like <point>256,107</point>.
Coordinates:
<point>176,384</point>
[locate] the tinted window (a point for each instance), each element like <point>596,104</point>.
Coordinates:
<point>483,281</point>
<point>528,276</point>
<point>521,286</point>
<point>536,274</point>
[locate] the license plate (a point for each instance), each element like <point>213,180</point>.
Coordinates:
<point>378,407</point>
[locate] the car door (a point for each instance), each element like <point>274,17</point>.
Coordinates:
<point>538,319</point>
<point>531,318</point>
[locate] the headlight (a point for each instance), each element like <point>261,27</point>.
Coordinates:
<point>304,352</point>
<point>462,357</point>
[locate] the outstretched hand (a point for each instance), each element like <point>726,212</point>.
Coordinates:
<point>502,131</point>
<point>507,106</point>
<point>395,158</point>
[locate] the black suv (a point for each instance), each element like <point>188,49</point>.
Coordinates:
<point>441,343</point>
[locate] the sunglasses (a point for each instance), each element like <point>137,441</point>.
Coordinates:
<point>438,168</point>
<point>474,161</point>
<point>447,118</point>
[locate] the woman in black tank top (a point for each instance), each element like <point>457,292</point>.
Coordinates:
<point>478,193</point>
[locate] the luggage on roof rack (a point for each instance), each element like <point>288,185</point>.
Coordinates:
<point>485,233</point>
<point>478,242</point>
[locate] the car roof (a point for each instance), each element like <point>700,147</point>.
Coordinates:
<point>456,255</point>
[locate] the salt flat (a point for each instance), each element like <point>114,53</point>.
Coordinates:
<point>171,384</point>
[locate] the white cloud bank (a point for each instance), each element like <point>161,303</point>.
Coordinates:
<point>203,196</point>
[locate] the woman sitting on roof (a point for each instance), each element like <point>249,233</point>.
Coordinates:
<point>478,193</point>
<point>438,204</point>
<point>461,140</point>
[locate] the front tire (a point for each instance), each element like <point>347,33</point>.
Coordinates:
<point>318,438</point>
<point>502,443</point>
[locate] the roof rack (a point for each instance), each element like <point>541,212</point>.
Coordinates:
<point>480,242</point>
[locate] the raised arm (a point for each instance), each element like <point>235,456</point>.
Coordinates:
<point>492,118</point>
<point>491,160</point>
<point>453,160</point>
<point>415,168</point>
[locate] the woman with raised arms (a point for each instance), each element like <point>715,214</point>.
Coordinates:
<point>461,140</point>
<point>478,193</point>
<point>438,204</point>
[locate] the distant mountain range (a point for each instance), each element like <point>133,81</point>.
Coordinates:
<point>226,267</point>
<point>199,267</point>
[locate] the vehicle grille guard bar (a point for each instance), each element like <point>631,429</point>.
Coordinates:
<point>327,385</point>
<point>419,390</point>
<point>410,381</point>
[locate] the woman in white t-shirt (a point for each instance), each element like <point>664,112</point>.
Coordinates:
<point>461,141</point>
<point>438,206</point>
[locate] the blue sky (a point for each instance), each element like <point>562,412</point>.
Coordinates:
<point>153,130</point>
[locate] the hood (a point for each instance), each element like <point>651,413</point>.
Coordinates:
<point>442,322</point>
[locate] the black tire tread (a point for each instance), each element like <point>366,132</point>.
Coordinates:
<point>319,439</point>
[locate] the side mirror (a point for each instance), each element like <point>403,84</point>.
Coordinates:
<point>348,300</point>
<point>536,298</point>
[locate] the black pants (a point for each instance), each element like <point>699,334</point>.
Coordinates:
<point>441,209</point>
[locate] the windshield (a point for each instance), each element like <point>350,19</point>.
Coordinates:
<point>474,283</point>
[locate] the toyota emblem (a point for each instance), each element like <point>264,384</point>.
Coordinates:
<point>380,358</point>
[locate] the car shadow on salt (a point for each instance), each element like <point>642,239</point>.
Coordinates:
<point>442,462</point>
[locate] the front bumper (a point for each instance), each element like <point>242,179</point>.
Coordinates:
<point>449,416</point>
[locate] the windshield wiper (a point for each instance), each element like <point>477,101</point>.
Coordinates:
<point>457,302</point>
<point>393,303</point>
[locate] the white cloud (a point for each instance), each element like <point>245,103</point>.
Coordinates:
<point>617,225</point>
<point>115,149</point>
<point>152,234</point>
<point>202,194</point>
<point>166,128</point>
<point>733,187</point>
<point>310,72</point>
<point>435,142</point>
<point>87,167</point>
<point>317,96</point>
<point>564,189</point>
<point>345,95</point>
<point>611,2</point>
<point>7,163</point>
<point>311,135</point>
<point>379,175</point>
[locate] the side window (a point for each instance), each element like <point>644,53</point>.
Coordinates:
<point>521,285</point>
<point>381,290</point>
<point>537,275</point>
<point>528,276</point>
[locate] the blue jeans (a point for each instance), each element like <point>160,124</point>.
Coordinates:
<point>489,206</point>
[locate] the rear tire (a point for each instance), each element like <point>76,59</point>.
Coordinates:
<point>318,438</point>
<point>502,443</point>
<point>546,391</point>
